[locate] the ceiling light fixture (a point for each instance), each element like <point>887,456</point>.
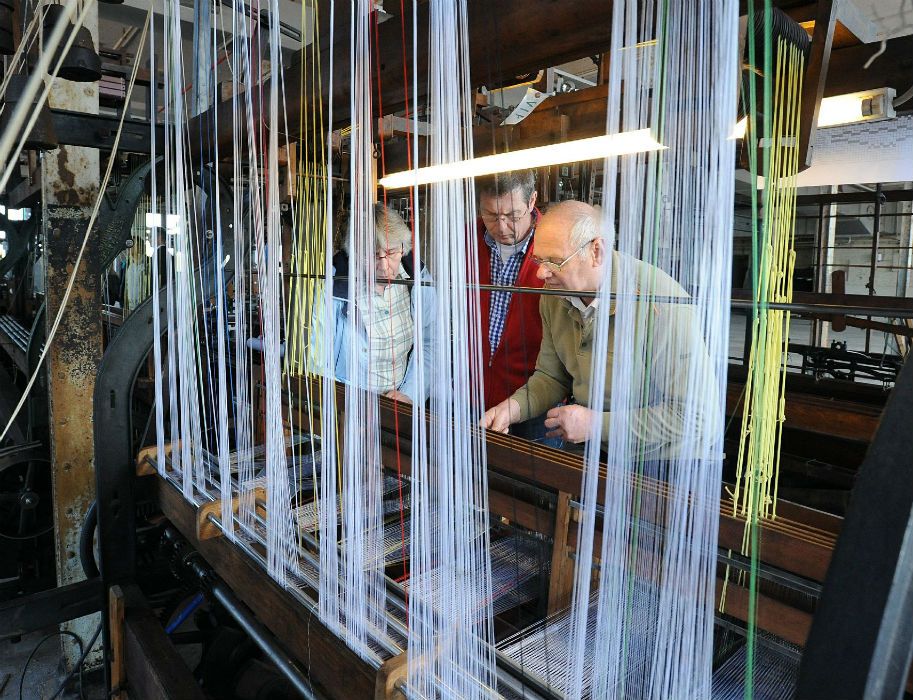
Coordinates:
<point>625,143</point>
<point>852,108</point>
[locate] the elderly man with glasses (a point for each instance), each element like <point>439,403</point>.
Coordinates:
<point>511,326</point>
<point>385,322</point>
<point>572,256</point>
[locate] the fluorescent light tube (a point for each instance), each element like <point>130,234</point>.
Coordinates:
<point>868,105</point>
<point>854,107</point>
<point>625,143</point>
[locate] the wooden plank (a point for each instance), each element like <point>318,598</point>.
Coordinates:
<point>894,67</point>
<point>116,626</point>
<point>500,503</point>
<point>816,70</point>
<point>561,579</point>
<point>329,663</point>
<point>814,414</point>
<point>771,615</point>
<point>520,512</point>
<point>154,669</point>
<point>780,549</point>
<point>807,554</point>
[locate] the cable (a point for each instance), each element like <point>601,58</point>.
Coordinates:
<point>185,613</point>
<point>884,47</point>
<point>87,542</point>
<point>22,538</point>
<point>903,99</point>
<point>78,665</point>
<point>82,656</point>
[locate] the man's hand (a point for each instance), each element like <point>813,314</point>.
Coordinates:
<point>499,418</point>
<point>571,423</point>
<point>398,396</point>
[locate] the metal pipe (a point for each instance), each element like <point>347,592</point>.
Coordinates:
<point>262,637</point>
<point>873,257</point>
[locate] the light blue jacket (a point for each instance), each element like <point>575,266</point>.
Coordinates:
<point>344,343</point>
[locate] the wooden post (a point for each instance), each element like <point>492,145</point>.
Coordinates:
<point>116,622</point>
<point>561,579</point>
<point>815,77</point>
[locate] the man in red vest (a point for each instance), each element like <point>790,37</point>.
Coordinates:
<point>511,324</point>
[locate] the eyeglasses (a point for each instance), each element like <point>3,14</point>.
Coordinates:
<point>556,266</point>
<point>391,253</point>
<point>513,217</point>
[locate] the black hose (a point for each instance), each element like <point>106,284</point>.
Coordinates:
<point>781,26</point>
<point>87,542</point>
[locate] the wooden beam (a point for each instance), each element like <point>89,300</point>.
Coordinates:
<point>116,624</point>
<point>815,76</point>
<point>561,579</point>
<point>818,415</point>
<point>893,68</point>
<point>153,667</point>
<point>771,615</point>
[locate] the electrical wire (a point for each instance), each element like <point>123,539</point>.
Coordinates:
<point>78,666</point>
<point>903,99</point>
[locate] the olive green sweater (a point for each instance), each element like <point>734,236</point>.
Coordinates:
<point>662,419</point>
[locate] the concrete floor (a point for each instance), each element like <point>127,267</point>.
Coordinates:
<point>45,671</point>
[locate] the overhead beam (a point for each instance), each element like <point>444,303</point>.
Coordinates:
<point>815,78</point>
<point>893,68</point>
<point>507,38</point>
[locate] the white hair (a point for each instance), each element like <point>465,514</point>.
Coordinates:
<point>588,224</point>
<point>390,230</point>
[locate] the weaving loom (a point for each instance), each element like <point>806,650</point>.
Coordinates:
<point>347,516</point>
<point>419,540</point>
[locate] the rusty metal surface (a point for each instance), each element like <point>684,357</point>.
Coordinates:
<point>72,362</point>
<point>69,181</point>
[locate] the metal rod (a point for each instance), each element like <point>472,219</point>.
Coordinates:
<point>263,639</point>
<point>842,309</point>
<point>873,258</point>
<point>770,642</point>
<point>261,636</point>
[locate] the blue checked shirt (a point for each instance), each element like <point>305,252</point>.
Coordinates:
<point>503,274</point>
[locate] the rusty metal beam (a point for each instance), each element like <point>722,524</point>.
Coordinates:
<point>70,181</point>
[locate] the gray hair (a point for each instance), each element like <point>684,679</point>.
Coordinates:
<point>390,230</point>
<point>504,183</point>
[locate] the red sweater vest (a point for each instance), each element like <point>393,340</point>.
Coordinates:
<point>515,358</point>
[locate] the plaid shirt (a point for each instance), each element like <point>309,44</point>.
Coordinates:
<point>389,325</point>
<point>503,274</point>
